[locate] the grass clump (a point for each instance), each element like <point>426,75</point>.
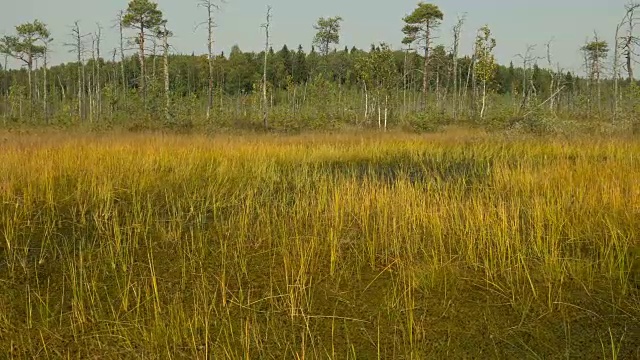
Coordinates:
<point>319,246</point>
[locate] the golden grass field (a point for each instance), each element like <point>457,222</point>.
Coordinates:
<point>369,246</point>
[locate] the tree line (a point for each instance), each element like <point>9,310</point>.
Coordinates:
<point>420,85</point>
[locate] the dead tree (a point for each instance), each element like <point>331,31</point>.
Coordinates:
<point>6,83</point>
<point>528,59</point>
<point>626,45</point>
<point>629,41</point>
<point>121,31</point>
<point>165,34</point>
<point>78,48</point>
<point>457,29</point>
<point>405,76</point>
<point>98,80</point>
<point>209,6</point>
<point>555,80</point>
<point>265,112</point>
<point>45,91</point>
<point>92,79</point>
<point>154,55</point>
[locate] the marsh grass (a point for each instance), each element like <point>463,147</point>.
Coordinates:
<point>319,246</point>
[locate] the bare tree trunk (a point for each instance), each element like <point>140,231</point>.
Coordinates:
<point>404,83</point>
<point>466,86</point>
<point>589,68</point>
<point>154,50</point>
<point>120,28</point>
<point>6,87</point>
<point>29,71</point>
<point>36,87</point>
<point>456,45</point>
<point>425,68</point>
<point>265,111</point>
<point>527,58</point>
<point>167,95</point>
<point>553,79</point>
<point>598,72</point>
<point>484,98</point>
<point>113,80</point>
<point>386,111</point>
<point>366,102</point>
<point>78,45</point>
<point>98,81</point>
<point>379,111</point>
<point>474,87</point>
<point>616,73</point>
<point>438,90</point>
<point>45,107</point>
<point>143,81</point>
<point>62,90</point>
<point>630,40</point>
<point>629,66</point>
<point>209,5</point>
<point>92,80</point>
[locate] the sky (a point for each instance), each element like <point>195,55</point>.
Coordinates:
<point>514,23</point>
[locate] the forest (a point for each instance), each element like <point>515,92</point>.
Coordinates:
<point>143,84</point>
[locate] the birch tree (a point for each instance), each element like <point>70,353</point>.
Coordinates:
<point>165,34</point>
<point>485,68</point>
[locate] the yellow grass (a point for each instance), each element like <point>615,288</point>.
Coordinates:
<point>460,244</point>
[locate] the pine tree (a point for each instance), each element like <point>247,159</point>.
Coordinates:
<point>143,16</point>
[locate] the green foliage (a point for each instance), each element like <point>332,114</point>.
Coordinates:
<point>29,42</point>
<point>420,22</point>
<point>595,53</point>
<point>328,33</point>
<point>142,15</point>
<point>17,96</point>
<point>485,60</point>
<point>300,71</point>
<point>596,50</point>
<point>377,69</point>
<point>427,122</point>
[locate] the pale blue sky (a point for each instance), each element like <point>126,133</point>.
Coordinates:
<point>514,22</point>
